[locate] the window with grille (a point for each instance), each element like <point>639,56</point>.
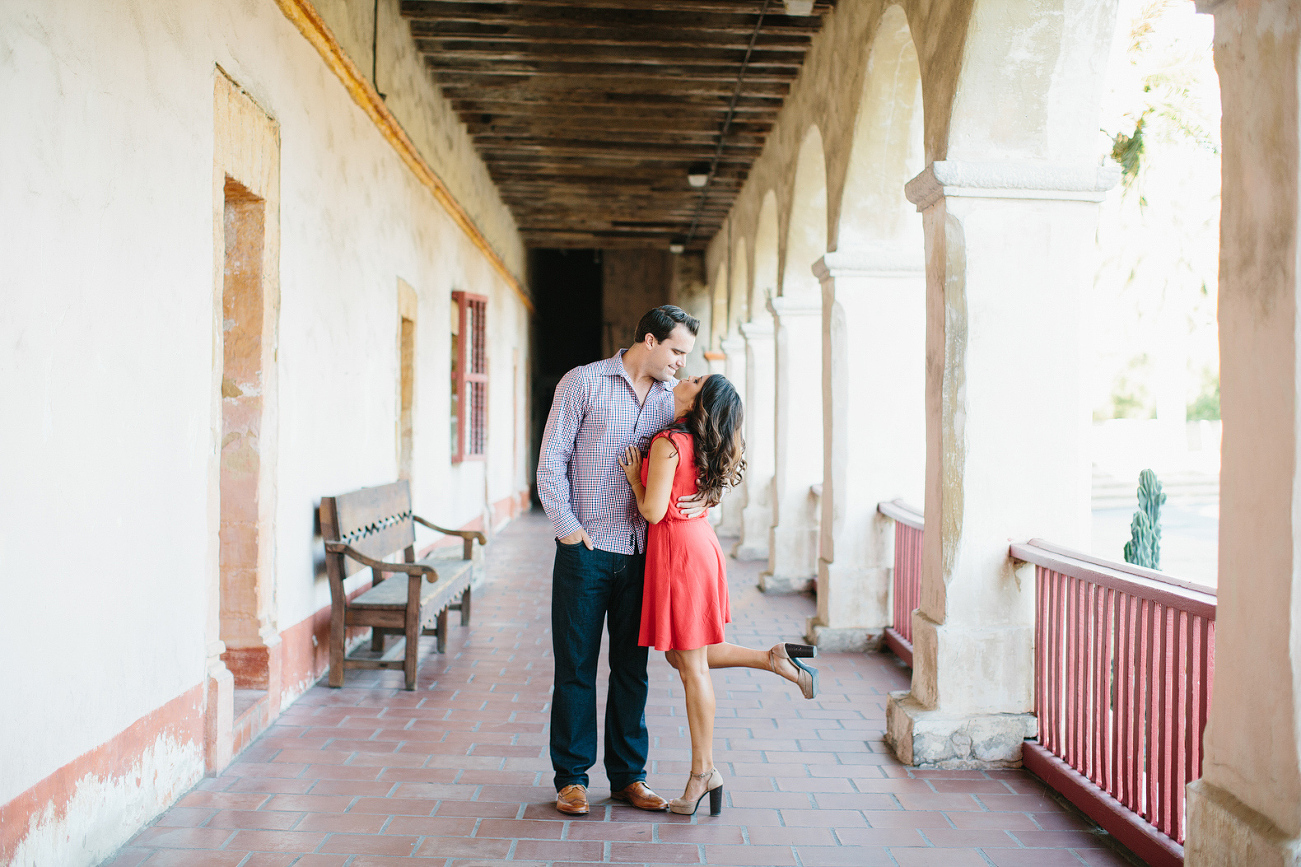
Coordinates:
<point>469,377</point>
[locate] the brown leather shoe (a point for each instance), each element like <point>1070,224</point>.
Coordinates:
<point>640,796</point>
<point>572,800</point>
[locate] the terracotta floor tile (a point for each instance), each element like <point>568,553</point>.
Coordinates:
<point>790,836</point>
<point>881,837</point>
<point>394,806</point>
<point>521,829</point>
<point>627,832</point>
<point>762,856</point>
<point>277,841</point>
<point>463,847</point>
<point>660,853</point>
<point>552,850</point>
<point>456,773</point>
<point>938,858</point>
<point>269,859</point>
<point>184,838</point>
<point>342,823</point>
<point>1033,858</point>
<point>185,817</point>
<point>186,858</point>
<point>269,820</point>
<point>843,856</point>
<point>128,857</point>
<point>370,844</point>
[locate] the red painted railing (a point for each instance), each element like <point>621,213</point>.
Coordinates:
<point>907,590</point>
<point>1124,659</point>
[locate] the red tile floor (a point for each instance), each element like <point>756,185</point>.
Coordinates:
<point>456,773</point>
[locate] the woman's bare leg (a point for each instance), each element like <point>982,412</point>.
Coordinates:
<point>693,667</point>
<point>726,655</point>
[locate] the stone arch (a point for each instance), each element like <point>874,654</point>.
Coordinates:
<point>738,305</point>
<point>806,226</point>
<point>718,307</point>
<point>888,147</point>
<point>766,253</point>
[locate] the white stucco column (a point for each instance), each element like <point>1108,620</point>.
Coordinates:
<point>734,499</point>
<point>760,367</point>
<point>874,431</point>
<point>793,538</point>
<point>1009,249</point>
<point>1246,808</point>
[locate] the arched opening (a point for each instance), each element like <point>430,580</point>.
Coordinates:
<point>718,296</point>
<point>806,227</point>
<point>738,305</point>
<point>766,258</point>
<point>888,148</point>
<point>760,370</point>
<point>873,350</point>
<point>797,475</point>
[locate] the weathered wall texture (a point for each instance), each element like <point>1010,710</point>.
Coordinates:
<point>413,95</point>
<point>107,344</point>
<point>633,281</point>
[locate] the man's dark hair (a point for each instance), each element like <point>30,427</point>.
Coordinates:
<point>660,322</point>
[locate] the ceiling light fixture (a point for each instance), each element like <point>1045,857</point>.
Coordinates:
<point>676,248</point>
<point>698,174</point>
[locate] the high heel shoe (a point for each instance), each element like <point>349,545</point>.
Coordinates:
<point>805,677</point>
<point>714,789</point>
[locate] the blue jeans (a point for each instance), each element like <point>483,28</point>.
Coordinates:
<point>589,587</point>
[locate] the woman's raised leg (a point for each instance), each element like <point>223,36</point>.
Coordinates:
<point>726,655</point>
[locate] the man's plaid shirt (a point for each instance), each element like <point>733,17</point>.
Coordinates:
<point>593,418</point>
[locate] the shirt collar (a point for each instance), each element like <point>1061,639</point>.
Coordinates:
<point>613,366</point>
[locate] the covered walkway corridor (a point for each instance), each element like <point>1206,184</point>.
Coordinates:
<point>457,772</point>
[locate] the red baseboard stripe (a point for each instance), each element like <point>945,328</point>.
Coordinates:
<point>181,718</point>
<point>1135,834</point>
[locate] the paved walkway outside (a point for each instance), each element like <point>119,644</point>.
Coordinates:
<point>456,774</point>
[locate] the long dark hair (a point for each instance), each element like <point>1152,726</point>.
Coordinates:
<point>714,420</point>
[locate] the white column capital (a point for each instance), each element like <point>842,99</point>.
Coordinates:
<point>791,306</point>
<point>1023,179</point>
<point>732,346</point>
<point>760,329</point>
<point>878,259</point>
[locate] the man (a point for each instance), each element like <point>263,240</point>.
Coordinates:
<point>599,410</point>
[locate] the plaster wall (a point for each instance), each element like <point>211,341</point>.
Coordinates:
<point>412,94</point>
<point>107,343</point>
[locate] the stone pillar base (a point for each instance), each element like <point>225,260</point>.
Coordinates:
<point>934,739</point>
<point>218,718</point>
<point>842,639</point>
<point>784,584</point>
<point>1224,831</point>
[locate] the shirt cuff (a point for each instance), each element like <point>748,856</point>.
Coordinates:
<point>566,525</point>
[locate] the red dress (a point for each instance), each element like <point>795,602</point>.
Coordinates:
<point>684,603</point>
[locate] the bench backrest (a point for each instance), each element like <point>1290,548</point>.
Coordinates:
<point>375,521</point>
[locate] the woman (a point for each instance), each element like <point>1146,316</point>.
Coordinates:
<point>684,606</point>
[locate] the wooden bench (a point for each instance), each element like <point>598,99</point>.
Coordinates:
<point>361,529</point>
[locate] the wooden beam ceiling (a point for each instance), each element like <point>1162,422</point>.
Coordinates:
<point>589,113</point>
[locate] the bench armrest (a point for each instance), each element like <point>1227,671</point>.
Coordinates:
<point>467,535</point>
<point>379,565</point>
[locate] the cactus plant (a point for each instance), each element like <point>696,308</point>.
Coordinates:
<point>1144,546</point>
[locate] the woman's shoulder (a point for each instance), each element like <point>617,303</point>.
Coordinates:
<point>674,436</point>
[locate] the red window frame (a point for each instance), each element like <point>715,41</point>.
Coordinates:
<point>470,378</point>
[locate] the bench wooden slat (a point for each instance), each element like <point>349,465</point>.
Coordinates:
<point>393,592</point>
